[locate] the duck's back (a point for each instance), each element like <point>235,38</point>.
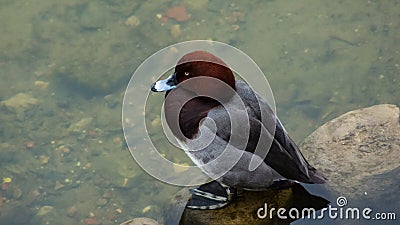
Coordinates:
<point>280,152</point>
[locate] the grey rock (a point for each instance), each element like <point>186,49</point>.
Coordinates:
<point>255,207</point>
<point>353,149</point>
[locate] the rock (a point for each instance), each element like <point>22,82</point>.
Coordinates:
<point>20,101</point>
<point>175,30</point>
<point>58,185</point>
<point>95,77</point>
<point>44,159</point>
<point>72,211</point>
<point>127,170</point>
<point>353,149</point>
<point>101,202</point>
<point>245,209</point>
<point>179,169</point>
<point>156,122</point>
<point>178,13</point>
<point>140,221</point>
<point>32,196</point>
<point>17,193</point>
<point>119,211</point>
<point>45,210</point>
<point>81,125</point>
<point>112,101</point>
<point>146,209</point>
<point>91,221</point>
<point>41,84</point>
<point>175,207</point>
<point>132,21</point>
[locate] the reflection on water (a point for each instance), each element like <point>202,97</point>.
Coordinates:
<point>64,66</point>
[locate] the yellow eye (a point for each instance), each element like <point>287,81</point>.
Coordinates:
<point>186,73</point>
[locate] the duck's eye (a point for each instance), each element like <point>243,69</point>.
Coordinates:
<point>186,73</point>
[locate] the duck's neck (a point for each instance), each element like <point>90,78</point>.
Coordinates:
<point>184,112</point>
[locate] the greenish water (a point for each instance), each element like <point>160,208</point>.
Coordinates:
<point>67,64</point>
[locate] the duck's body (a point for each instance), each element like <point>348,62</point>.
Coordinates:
<point>228,136</point>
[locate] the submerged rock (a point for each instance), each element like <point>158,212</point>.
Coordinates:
<point>81,125</point>
<point>45,210</point>
<point>20,101</point>
<point>140,221</point>
<point>354,148</point>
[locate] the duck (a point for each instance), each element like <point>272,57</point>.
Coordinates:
<point>228,130</point>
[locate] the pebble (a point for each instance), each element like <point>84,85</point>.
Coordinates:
<point>41,84</point>
<point>63,148</point>
<point>58,185</point>
<point>20,101</point>
<point>45,210</point>
<point>132,21</point>
<point>91,221</point>
<point>44,159</point>
<point>80,125</point>
<point>179,168</point>
<point>30,144</point>
<point>156,122</point>
<point>176,30</point>
<point>72,211</point>
<point>107,195</point>
<point>17,193</point>
<point>33,195</point>
<point>140,221</point>
<point>146,209</point>
<point>119,211</point>
<point>117,141</point>
<point>101,202</point>
<point>179,13</point>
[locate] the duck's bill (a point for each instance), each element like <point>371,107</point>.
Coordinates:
<point>165,85</point>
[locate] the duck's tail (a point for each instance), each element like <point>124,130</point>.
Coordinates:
<point>316,177</point>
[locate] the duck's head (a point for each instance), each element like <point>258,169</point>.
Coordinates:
<point>200,82</point>
<point>208,71</point>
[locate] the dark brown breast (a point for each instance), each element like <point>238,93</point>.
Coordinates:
<point>184,111</point>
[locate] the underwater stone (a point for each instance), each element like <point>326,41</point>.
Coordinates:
<point>45,210</point>
<point>80,125</point>
<point>20,101</point>
<point>140,221</point>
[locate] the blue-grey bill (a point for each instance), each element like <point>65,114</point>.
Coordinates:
<point>165,85</point>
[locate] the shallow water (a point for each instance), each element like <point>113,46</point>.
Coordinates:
<point>62,143</point>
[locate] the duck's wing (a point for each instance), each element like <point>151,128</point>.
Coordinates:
<point>283,156</point>
<point>220,151</point>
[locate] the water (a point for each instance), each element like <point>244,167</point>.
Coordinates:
<point>62,143</point>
